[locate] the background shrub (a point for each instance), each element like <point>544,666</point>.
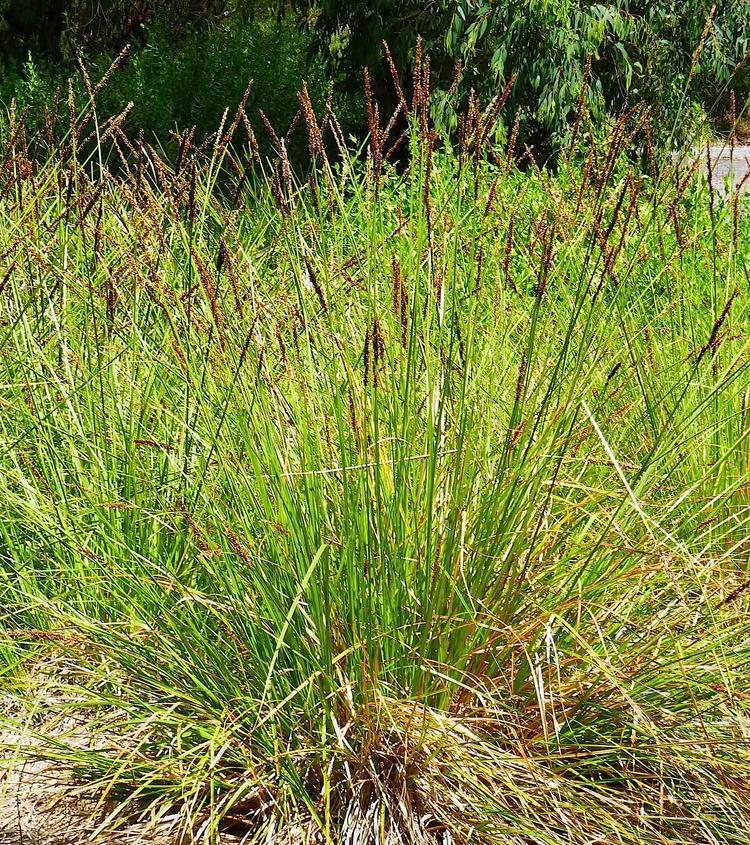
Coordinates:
<point>639,51</point>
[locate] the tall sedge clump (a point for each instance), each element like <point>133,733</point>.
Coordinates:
<point>384,503</point>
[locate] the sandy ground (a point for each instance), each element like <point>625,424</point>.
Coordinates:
<point>40,802</point>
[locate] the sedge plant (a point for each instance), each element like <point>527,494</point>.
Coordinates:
<point>379,504</point>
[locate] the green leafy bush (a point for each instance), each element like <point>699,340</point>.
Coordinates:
<point>192,84</point>
<point>639,51</point>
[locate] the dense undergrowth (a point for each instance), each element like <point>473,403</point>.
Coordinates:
<point>383,506</point>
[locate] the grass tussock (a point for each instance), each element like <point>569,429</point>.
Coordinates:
<point>381,505</point>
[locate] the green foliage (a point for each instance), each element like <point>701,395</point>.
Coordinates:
<point>185,51</point>
<point>351,34</point>
<point>639,51</point>
<point>175,87</point>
